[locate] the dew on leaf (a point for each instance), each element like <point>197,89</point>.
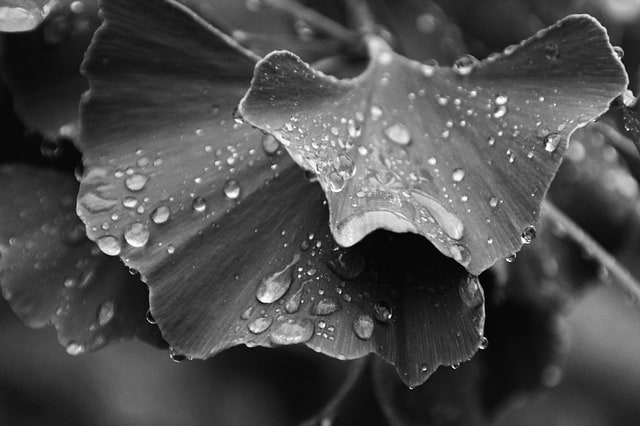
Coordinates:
<point>336,182</point>
<point>511,258</point>
<point>232,189</point>
<point>382,311</point>
<point>22,16</point>
<point>449,222</point>
<point>176,356</point>
<point>363,326</point>
<point>75,349</point>
<point>291,331</point>
<point>345,166</point>
<point>136,182</point>
<point>273,287</point>
<point>260,325</point>
<point>149,317</point>
<point>551,51</point>
<point>160,215</point>
<point>199,204</point>
<point>130,202</point>
<point>109,245</point>
<point>551,142</point>
<point>460,254</point>
<point>136,234</point>
<point>464,65</point>
<point>500,111</point>
<point>484,343</point>
<point>501,99</point>
<point>398,133</point>
<point>458,175</point>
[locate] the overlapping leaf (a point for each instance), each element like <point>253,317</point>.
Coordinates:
<point>231,238</point>
<point>462,156</point>
<point>51,273</point>
<point>23,15</point>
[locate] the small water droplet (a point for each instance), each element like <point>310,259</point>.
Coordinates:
<point>427,70</point>
<point>484,343</point>
<point>149,317</point>
<point>130,202</point>
<point>501,99</point>
<point>511,258</point>
<point>354,129</point>
<point>500,111</point>
<point>326,306</point>
<point>398,133</point>
<point>160,215</point>
<point>171,249</point>
<point>619,51</point>
<point>136,182</point>
<point>273,287</point>
<point>109,245</point>
<point>382,311</point>
<point>455,366</point>
<point>199,204</point>
<point>176,356</point>
<point>493,202</point>
<point>137,234</point>
<point>291,331</point>
<point>424,368</point>
<point>458,175</point>
<point>260,325</point>
<point>345,166</point>
<point>336,182</point>
<point>106,313</point>
<point>460,254</point>
<point>528,235</point>
<point>363,326</point>
<point>232,189</point>
<point>464,65</point>
<point>75,349</point>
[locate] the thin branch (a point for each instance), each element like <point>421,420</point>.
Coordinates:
<point>619,273</point>
<point>316,20</point>
<point>362,16</point>
<point>330,410</point>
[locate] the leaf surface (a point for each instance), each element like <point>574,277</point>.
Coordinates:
<point>461,155</point>
<point>230,236</point>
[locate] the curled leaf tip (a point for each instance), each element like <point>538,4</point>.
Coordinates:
<point>461,155</point>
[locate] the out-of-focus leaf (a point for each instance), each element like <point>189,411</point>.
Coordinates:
<point>631,120</point>
<point>51,274</point>
<point>231,238</point>
<point>462,156</point>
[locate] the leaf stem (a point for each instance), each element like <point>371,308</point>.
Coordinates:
<point>621,276</point>
<point>330,410</point>
<point>316,20</point>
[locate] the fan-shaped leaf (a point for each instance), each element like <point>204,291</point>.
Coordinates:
<point>231,238</point>
<point>50,272</point>
<point>462,156</point>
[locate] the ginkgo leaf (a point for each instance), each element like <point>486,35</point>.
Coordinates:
<point>52,274</point>
<point>231,238</point>
<point>461,155</point>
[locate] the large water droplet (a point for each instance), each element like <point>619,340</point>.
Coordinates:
<point>363,326</point>
<point>275,286</point>
<point>136,182</point>
<point>106,313</point>
<point>136,234</point>
<point>176,356</point>
<point>464,65</point>
<point>109,245</point>
<point>336,182</point>
<point>458,175</point>
<point>528,235</point>
<point>260,325</point>
<point>291,331</point>
<point>326,306</point>
<point>232,189</point>
<point>398,133</point>
<point>160,215</point>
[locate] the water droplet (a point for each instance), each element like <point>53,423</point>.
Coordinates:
<point>326,306</point>
<point>291,331</point>
<point>464,65</point>
<point>382,311</point>
<point>345,166</point>
<point>619,51</point>
<point>460,254</point>
<point>75,349</point>
<point>109,245</point>
<point>260,325</point>
<point>130,202</point>
<point>270,144</point>
<point>491,140</point>
<point>160,215</point>
<point>171,249</point>
<point>336,182</point>
<point>500,111</point>
<point>449,222</point>
<point>272,288</point>
<point>493,201</point>
<point>49,148</point>
<point>354,129</point>
<point>106,313</point>
<point>484,343</point>
<point>427,70</point>
<point>136,182</point>
<point>501,99</point>
<point>176,356</point>
<point>199,204</point>
<point>424,368</point>
<point>347,264</point>
<point>398,133</point>
<point>551,142</point>
<point>511,258</point>
<point>455,366</point>
<point>551,51</point>
<point>363,326</point>
<point>232,189</point>
<point>458,175</point>
<point>528,235</point>
<point>136,234</point>
<point>149,317</point>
